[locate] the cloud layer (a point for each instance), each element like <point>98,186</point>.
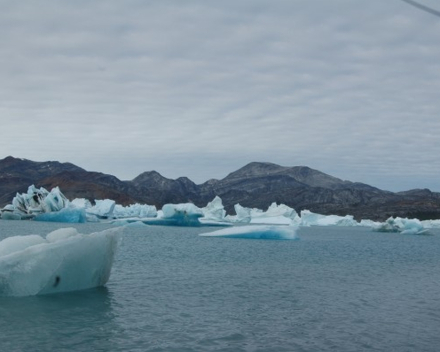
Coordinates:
<point>200,88</point>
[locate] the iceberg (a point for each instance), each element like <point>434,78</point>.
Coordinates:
<point>184,214</point>
<point>403,226</point>
<point>63,261</point>
<point>81,203</point>
<point>369,223</point>
<point>256,232</point>
<point>243,215</point>
<point>431,224</point>
<point>313,219</point>
<point>35,201</point>
<point>69,215</point>
<point>134,210</point>
<point>41,205</point>
<point>275,215</point>
<point>214,210</point>
<point>272,220</point>
<point>277,210</point>
<point>103,209</point>
<point>214,214</point>
<point>7,213</point>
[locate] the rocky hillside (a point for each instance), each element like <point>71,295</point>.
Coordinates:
<point>254,185</point>
<point>17,174</point>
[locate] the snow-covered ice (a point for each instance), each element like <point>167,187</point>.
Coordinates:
<point>256,232</point>
<point>63,261</point>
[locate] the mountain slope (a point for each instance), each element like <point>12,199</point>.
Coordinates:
<point>254,185</point>
<point>17,174</point>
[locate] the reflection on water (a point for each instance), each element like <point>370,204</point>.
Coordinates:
<point>59,321</point>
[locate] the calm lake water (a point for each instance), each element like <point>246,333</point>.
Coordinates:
<point>335,289</point>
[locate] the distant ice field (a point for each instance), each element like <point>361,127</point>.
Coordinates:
<point>334,289</point>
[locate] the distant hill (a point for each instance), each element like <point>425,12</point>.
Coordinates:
<point>254,185</point>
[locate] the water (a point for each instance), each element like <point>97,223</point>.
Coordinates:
<point>336,289</point>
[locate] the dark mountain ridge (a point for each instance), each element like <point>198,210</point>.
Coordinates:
<point>254,185</point>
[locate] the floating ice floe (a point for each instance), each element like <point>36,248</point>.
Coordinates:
<point>64,261</point>
<point>263,232</point>
<point>403,226</point>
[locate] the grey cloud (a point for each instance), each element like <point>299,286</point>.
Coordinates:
<point>123,87</point>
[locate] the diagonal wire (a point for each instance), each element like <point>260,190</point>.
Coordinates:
<point>423,7</point>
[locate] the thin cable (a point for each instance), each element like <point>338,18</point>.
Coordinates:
<point>423,7</point>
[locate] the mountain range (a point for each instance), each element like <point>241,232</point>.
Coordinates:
<point>255,185</point>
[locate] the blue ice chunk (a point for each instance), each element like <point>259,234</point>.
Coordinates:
<point>69,215</point>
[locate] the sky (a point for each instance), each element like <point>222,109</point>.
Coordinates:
<point>201,88</point>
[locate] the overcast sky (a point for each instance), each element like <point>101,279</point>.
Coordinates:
<point>201,88</point>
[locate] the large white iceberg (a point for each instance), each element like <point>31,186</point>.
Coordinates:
<point>262,232</point>
<point>64,261</point>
